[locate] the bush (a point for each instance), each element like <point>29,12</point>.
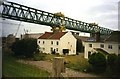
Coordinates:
<point>78,65</point>
<point>112,62</point>
<point>98,62</point>
<point>111,59</point>
<point>39,56</point>
<point>118,64</point>
<point>25,47</point>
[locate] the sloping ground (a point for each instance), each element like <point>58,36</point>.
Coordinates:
<point>11,68</point>
<point>46,65</point>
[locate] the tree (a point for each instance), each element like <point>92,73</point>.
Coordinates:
<point>25,47</point>
<point>98,62</point>
<point>111,59</point>
<point>113,62</point>
<point>118,64</point>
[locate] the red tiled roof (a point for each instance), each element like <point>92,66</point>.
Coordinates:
<point>51,35</point>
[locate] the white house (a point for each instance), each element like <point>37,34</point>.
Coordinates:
<point>109,45</point>
<point>60,42</point>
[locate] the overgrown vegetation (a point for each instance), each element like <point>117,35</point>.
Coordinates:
<point>113,63</point>
<point>39,56</point>
<point>98,62</point>
<point>105,65</point>
<point>78,63</point>
<point>25,47</point>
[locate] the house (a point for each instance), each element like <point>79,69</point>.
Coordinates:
<point>80,42</point>
<point>31,35</point>
<point>108,46</point>
<point>58,42</point>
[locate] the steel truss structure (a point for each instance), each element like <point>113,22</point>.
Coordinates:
<point>15,11</point>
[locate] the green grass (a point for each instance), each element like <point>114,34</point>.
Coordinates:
<point>75,62</point>
<point>11,68</point>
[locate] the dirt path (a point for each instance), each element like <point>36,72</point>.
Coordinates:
<point>46,65</point>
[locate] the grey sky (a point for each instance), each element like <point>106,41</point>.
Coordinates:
<point>103,12</point>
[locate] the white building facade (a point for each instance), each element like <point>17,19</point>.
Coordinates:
<point>60,42</point>
<point>108,47</point>
<point>111,45</point>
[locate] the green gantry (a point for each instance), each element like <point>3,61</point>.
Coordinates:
<point>15,11</point>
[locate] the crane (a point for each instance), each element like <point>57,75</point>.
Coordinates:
<point>60,27</point>
<point>18,29</point>
<point>96,26</point>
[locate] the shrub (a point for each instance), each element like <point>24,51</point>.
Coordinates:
<point>111,59</point>
<point>118,64</point>
<point>78,65</point>
<point>25,47</point>
<point>39,56</point>
<point>113,62</point>
<point>98,62</point>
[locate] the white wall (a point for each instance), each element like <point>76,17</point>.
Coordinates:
<point>47,45</point>
<point>115,48</point>
<point>68,41</point>
<point>63,44</point>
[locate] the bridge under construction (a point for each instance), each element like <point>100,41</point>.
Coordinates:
<point>15,11</point>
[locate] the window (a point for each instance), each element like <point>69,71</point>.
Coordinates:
<point>57,43</point>
<point>109,46</point>
<point>56,49</point>
<point>90,45</point>
<point>43,42</point>
<point>68,42</point>
<point>52,42</point>
<point>102,45</point>
<point>51,49</point>
<point>39,42</point>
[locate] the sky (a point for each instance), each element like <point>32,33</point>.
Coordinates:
<point>103,12</point>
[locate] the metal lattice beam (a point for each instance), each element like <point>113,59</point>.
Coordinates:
<point>20,12</point>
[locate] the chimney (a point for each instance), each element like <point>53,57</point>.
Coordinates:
<point>97,37</point>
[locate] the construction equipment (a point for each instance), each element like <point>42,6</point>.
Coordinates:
<point>93,24</point>
<point>17,29</point>
<point>60,27</point>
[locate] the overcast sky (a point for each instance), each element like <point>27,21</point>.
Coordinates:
<point>103,12</point>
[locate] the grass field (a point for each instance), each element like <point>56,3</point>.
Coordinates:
<point>75,62</point>
<point>11,68</point>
